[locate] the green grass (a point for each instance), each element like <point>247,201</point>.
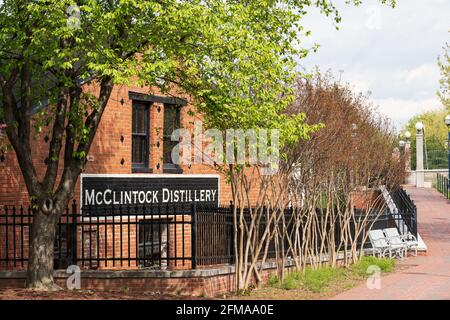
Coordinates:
<point>321,279</point>
<point>310,279</point>
<point>318,280</point>
<point>385,265</point>
<point>273,281</point>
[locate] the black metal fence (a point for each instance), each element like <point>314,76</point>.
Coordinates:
<point>443,185</point>
<point>15,232</point>
<point>156,237</point>
<point>222,251</point>
<point>215,232</point>
<point>407,212</point>
<point>214,236</point>
<point>220,235</point>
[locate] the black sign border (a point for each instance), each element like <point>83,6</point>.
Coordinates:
<point>146,175</point>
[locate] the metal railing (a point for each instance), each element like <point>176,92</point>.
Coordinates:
<point>436,159</point>
<point>214,236</point>
<point>443,185</point>
<point>433,159</point>
<point>166,237</point>
<point>221,227</point>
<point>157,237</point>
<point>407,212</point>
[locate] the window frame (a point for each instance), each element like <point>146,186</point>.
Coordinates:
<point>169,167</point>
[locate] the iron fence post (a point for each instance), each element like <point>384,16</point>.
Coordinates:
<point>415,223</point>
<point>438,182</point>
<point>447,187</point>
<point>74,232</point>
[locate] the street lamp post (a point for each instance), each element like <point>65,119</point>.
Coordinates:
<point>447,122</point>
<point>420,174</point>
<point>402,155</point>
<point>408,150</point>
<point>408,137</point>
<point>402,144</point>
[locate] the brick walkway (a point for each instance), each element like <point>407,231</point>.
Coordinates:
<point>424,277</point>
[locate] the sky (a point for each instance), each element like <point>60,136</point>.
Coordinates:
<point>391,53</point>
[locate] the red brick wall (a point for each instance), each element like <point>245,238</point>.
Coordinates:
<point>364,199</point>
<point>107,149</point>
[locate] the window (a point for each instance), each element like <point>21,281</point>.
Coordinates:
<point>171,123</point>
<point>140,136</point>
<point>153,243</point>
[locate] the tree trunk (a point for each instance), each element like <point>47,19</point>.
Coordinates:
<point>40,264</point>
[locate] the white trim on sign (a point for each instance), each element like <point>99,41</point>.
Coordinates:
<point>150,175</point>
<point>146,175</point>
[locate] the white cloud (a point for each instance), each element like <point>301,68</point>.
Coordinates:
<point>360,85</point>
<point>400,110</point>
<point>424,72</point>
<point>374,21</point>
<point>390,52</point>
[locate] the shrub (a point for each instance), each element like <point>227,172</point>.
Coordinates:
<point>274,281</point>
<point>310,279</point>
<point>291,281</point>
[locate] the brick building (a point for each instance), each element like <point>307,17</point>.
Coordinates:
<point>138,221</point>
<point>133,138</point>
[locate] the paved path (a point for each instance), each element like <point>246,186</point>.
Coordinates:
<point>424,277</point>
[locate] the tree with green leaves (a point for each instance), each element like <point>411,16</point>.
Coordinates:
<point>234,58</point>
<point>444,65</point>
<point>435,134</point>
